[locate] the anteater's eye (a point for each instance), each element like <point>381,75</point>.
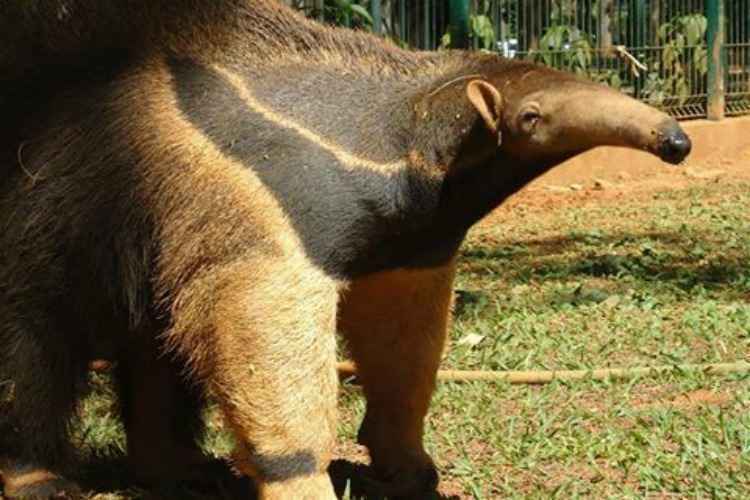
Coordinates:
<point>530,116</point>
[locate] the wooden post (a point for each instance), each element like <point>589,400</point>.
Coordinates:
<point>715,12</point>
<point>605,30</point>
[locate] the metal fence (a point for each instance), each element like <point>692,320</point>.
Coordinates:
<point>737,49</point>
<point>655,50</point>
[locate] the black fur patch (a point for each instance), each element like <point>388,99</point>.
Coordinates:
<point>350,222</point>
<point>278,468</point>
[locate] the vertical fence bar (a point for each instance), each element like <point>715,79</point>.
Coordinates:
<point>426,24</point>
<point>377,16</point>
<point>402,21</point>
<point>639,26</point>
<point>716,79</point>
<point>459,22</point>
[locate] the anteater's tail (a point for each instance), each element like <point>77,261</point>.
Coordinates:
<point>38,33</point>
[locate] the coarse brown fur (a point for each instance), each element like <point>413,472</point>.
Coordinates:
<point>208,190</point>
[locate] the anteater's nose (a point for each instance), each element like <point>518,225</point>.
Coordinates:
<point>675,145</point>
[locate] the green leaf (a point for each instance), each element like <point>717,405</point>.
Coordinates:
<point>669,55</point>
<point>664,31</point>
<point>679,40</point>
<point>615,81</point>
<point>692,32</point>
<point>702,23</point>
<point>445,40</point>
<point>700,60</point>
<point>361,12</point>
<point>483,29</point>
<point>581,57</point>
<point>553,38</point>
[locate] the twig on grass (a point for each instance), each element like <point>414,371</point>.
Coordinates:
<point>347,369</point>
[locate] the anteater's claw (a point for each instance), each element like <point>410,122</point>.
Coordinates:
<point>420,486</point>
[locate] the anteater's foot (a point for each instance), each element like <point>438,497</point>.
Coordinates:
<point>420,485</point>
<point>34,483</point>
<point>215,471</point>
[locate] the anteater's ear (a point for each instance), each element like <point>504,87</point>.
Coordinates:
<point>488,102</point>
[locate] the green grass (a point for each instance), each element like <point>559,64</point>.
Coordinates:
<point>655,280</point>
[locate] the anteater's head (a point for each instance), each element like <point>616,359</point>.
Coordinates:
<point>546,114</point>
<point>525,118</point>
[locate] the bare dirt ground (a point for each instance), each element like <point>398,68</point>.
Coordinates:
<point>581,183</point>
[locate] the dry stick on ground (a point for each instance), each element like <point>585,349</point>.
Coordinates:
<point>347,369</point>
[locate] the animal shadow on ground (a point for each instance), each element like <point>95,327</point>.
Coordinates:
<point>108,478</point>
<point>103,476</point>
<point>674,262</point>
<point>350,480</point>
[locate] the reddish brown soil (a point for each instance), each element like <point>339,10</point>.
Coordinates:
<point>577,187</point>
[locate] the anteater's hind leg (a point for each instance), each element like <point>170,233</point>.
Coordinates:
<point>162,416</point>
<point>395,325</point>
<point>47,371</point>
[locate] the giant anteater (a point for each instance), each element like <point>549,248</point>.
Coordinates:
<point>205,191</point>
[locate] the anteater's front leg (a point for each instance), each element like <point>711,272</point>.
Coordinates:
<point>267,353</point>
<point>395,324</point>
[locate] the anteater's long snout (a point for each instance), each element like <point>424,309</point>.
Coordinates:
<point>604,117</point>
<point>675,144</point>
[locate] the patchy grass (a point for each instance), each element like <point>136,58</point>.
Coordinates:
<point>663,279</point>
<point>655,279</point>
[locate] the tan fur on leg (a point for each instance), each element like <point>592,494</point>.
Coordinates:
<point>396,323</point>
<point>318,487</point>
<point>35,483</point>
<point>25,479</point>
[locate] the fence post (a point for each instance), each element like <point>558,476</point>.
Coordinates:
<point>427,9</point>
<point>377,16</point>
<point>715,14</point>
<point>459,22</point>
